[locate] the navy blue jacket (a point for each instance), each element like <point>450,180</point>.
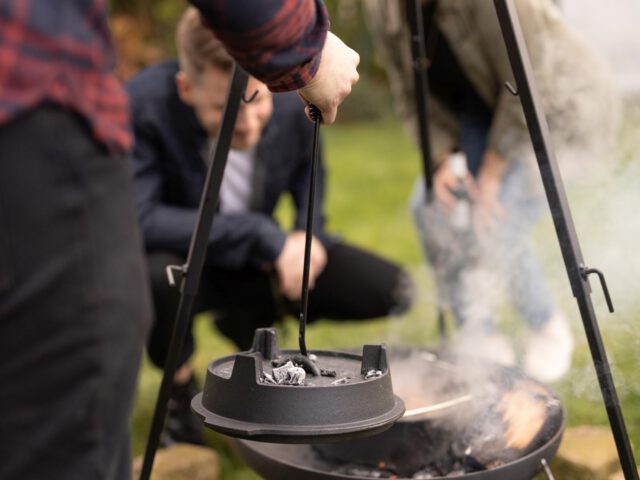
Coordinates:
<point>170,171</point>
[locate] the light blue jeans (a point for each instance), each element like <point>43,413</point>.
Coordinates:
<point>475,274</point>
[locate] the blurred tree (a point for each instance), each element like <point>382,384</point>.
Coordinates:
<point>143,32</point>
<point>370,99</point>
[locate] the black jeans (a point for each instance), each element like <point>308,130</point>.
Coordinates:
<point>354,285</point>
<point>74,302</point>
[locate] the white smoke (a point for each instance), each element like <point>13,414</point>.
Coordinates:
<point>612,27</point>
<point>607,218</point>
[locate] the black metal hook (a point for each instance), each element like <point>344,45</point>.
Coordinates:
<point>585,272</point>
<point>251,98</point>
<point>511,89</point>
<point>180,269</point>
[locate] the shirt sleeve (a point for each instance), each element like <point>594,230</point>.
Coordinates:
<point>277,41</point>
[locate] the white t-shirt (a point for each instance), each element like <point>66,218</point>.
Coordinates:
<point>237,182</point>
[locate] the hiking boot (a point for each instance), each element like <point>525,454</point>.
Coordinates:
<point>181,424</point>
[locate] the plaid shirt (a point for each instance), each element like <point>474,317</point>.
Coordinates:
<point>276,41</point>
<point>60,51</point>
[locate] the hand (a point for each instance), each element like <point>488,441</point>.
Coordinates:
<point>332,83</point>
<point>487,210</point>
<point>290,262</point>
<point>445,183</point>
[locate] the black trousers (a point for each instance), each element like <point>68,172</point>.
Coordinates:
<point>74,302</point>
<point>355,284</point>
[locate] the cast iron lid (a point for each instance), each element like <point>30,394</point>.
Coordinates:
<point>342,396</point>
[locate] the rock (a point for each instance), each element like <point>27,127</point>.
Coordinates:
<point>182,462</point>
<point>619,475</point>
<point>586,452</point>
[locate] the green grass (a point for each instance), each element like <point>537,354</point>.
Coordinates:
<point>372,170</point>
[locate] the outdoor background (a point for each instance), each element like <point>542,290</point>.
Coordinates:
<point>372,168</point>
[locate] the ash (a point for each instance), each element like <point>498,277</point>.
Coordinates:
<point>373,374</point>
<point>288,374</point>
<point>456,462</point>
<point>364,472</point>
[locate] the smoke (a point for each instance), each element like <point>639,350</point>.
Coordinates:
<point>607,219</point>
<point>608,222</point>
<point>483,414</point>
<point>605,203</point>
<point>612,28</point>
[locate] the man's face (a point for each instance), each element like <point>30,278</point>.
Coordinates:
<point>206,94</point>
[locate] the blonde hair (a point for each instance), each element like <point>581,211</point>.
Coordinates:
<point>198,48</point>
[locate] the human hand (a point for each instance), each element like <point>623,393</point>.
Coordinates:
<point>446,182</point>
<point>332,83</point>
<point>290,262</point>
<point>487,210</point>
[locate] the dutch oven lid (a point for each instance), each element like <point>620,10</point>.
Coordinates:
<point>252,395</point>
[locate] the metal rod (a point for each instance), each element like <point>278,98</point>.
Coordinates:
<point>317,118</point>
<point>195,260</point>
<point>563,222</point>
<point>418,42</point>
<point>546,469</point>
<point>438,406</point>
<point>421,87</point>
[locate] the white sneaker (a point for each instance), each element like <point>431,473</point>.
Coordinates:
<point>492,347</point>
<point>548,350</point>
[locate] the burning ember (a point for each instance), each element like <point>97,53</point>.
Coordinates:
<point>453,466</point>
<point>462,417</point>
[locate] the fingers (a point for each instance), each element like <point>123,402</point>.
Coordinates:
<point>336,75</point>
<point>445,197</point>
<point>324,114</point>
<point>290,264</point>
<point>486,215</point>
<point>472,188</point>
<point>483,221</point>
<point>291,286</point>
<point>307,112</point>
<point>291,283</point>
<point>329,114</point>
<point>318,258</point>
<point>444,184</point>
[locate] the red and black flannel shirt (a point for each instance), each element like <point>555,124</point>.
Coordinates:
<point>61,52</point>
<point>276,41</point>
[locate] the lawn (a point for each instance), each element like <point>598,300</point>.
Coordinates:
<point>372,168</point>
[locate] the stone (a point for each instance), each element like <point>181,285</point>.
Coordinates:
<point>182,462</point>
<point>619,475</point>
<point>586,452</point>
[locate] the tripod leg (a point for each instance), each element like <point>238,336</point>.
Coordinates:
<point>567,236</point>
<point>193,269</point>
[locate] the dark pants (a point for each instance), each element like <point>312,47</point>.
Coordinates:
<point>354,285</point>
<point>74,303</point>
